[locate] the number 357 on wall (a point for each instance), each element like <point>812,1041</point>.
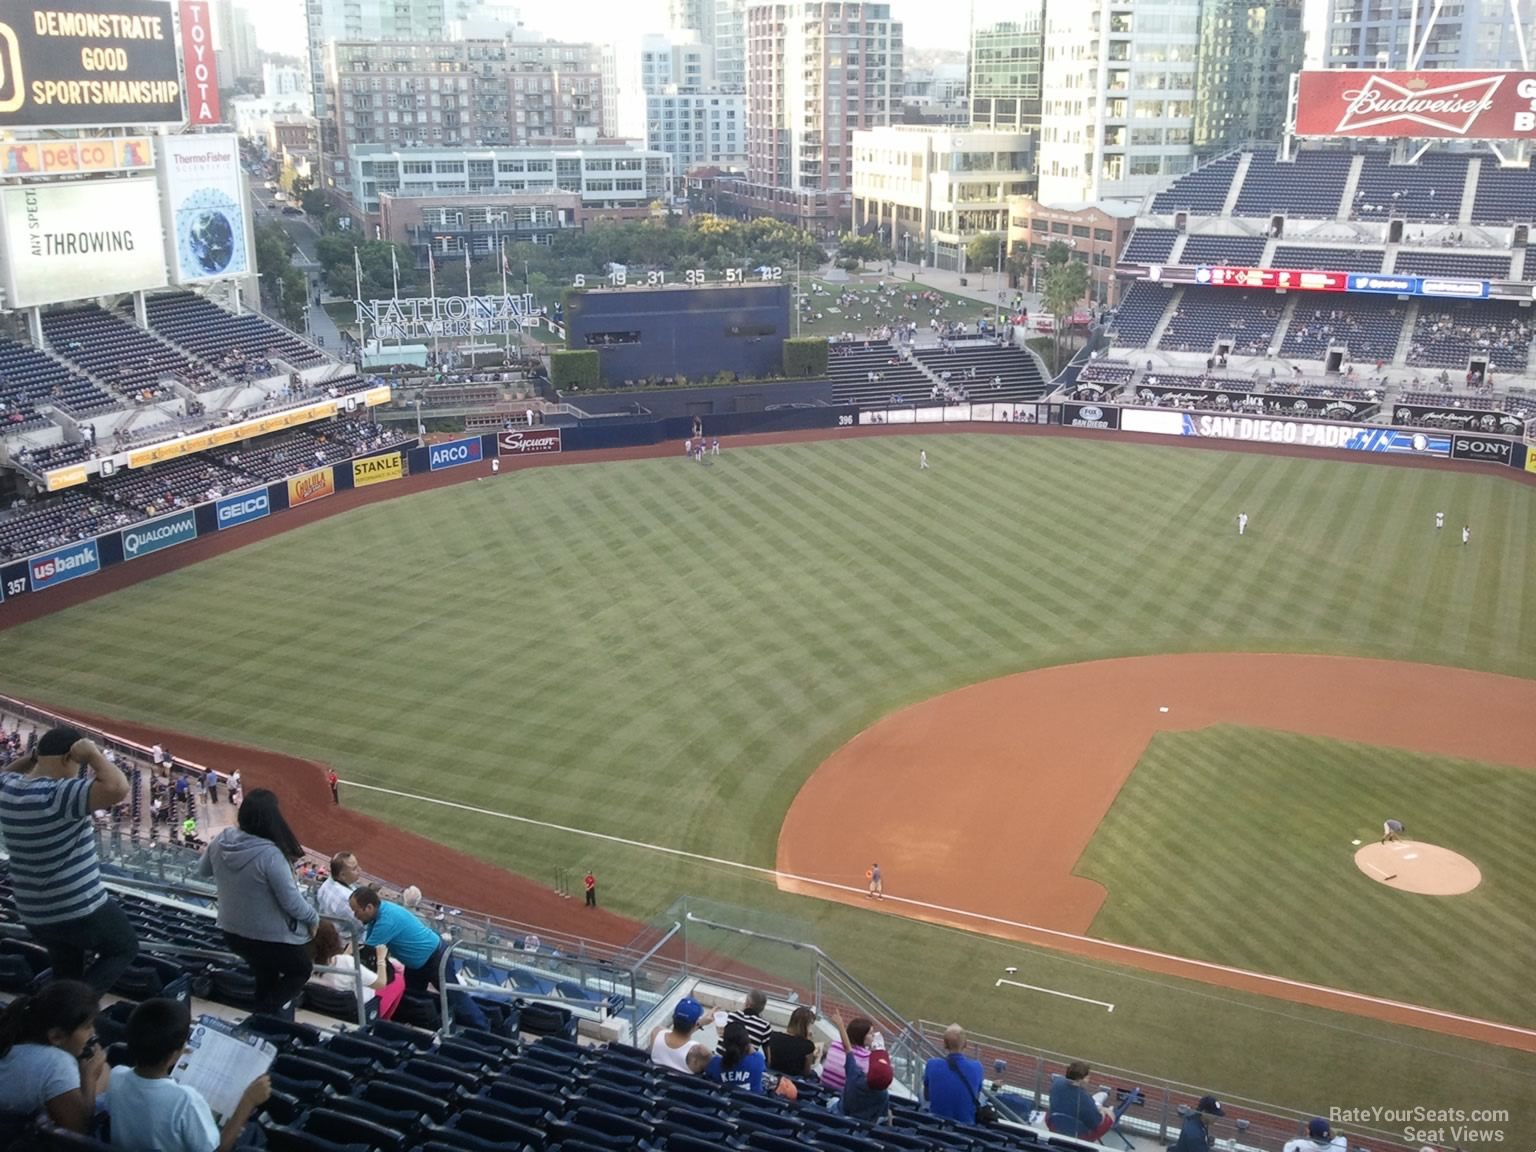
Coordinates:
<point>619,277</point>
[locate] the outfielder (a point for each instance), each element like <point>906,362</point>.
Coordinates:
<point>922,459</point>
<point>1439,521</point>
<point>1242,523</point>
<point>1466,533</point>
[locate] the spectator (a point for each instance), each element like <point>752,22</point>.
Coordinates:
<point>47,1061</point>
<point>45,820</point>
<point>671,1048</point>
<point>422,951</point>
<point>1319,1138</point>
<point>793,1052</point>
<point>1074,1110</point>
<point>152,1112</point>
<point>1195,1134</point>
<point>211,785</point>
<point>751,1018</point>
<point>589,883</point>
<point>858,1031</point>
<point>335,783</point>
<point>386,981</point>
<point>952,1082</point>
<point>265,918</point>
<point>334,895</point>
<point>737,1062</point>
<point>865,1094</point>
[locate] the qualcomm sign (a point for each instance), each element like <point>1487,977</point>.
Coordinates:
<point>65,564</point>
<point>242,509</point>
<point>157,534</point>
<point>454,453</point>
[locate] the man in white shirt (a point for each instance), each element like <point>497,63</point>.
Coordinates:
<point>1319,1138</point>
<point>152,1112</point>
<point>334,895</point>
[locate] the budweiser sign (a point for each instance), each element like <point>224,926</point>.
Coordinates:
<point>524,443</point>
<point>1435,103</point>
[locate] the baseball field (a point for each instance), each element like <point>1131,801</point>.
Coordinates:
<point>765,674</point>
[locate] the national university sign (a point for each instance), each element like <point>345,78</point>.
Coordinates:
<point>426,318</point>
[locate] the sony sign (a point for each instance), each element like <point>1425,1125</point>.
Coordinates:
<point>428,318</point>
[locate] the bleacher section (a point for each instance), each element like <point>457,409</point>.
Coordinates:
<point>1369,326</point>
<point>1427,190</point>
<point>1308,186</point>
<point>1235,251</point>
<point>60,520</point>
<point>1332,259</point>
<point>1202,192</point>
<point>120,354</point>
<point>974,368</point>
<point>1149,246</point>
<point>1448,334</point>
<point>850,364</point>
<point>237,345</point>
<point>1140,309</point>
<point>29,379</point>
<point>1246,320</point>
<point>1504,195</point>
<point>1452,263</point>
<point>174,484</point>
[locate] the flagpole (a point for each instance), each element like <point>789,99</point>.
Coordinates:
<point>394,273</point>
<point>432,289</point>
<point>506,353</point>
<point>357,269</point>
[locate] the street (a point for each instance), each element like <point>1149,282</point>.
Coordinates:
<point>303,233</point>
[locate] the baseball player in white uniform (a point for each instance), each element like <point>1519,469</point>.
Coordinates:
<point>1242,523</point>
<point>1466,533</point>
<point>922,459</point>
<point>1439,521</point>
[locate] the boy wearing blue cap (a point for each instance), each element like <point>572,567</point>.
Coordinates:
<point>1195,1134</point>
<point>1319,1138</point>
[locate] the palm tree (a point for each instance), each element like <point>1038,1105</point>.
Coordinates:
<point>1065,285</point>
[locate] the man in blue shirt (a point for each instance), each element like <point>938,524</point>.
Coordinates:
<point>1074,1110</point>
<point>393,931</point>
<point>952,1082</point>
<point>1195,1133</point>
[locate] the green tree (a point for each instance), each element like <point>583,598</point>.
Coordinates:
<point>1057,252</point>
<point>863,249</point>
<point>982,251</point>
<point>1064,287</point>
<point>293,291</point>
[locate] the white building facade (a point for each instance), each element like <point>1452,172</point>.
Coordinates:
<point>1118,98</point>
<point>667,99</point>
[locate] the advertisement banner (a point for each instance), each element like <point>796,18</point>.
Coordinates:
<point>76,241</point>
<point>205,208</point>
<point>82,63</point>
<point>76,157</point>
<point>377,469</point>
<point>197,62</point>
<point>454,453</point>
<point>65,564</point>
<point>242,509</point>
<point>1482,449</point>
<point>1436,103</point>
<point>202,441</point>
<point>316,485</point>
<point>153,535</point>
<point>1530,459</point>
<point>1457,419</point>
<point>1090,416</point>
<point>1221,276</point>
<point>65,477</point>
<point>1272,430</point>
<point>527,443</point>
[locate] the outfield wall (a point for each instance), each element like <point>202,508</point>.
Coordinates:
<point>119,549</point>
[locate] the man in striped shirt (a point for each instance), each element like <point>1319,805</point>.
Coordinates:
<point>45,824</point>
<point>751,1016</point>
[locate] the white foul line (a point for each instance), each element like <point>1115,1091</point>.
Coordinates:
<point>1052,992</point>
<point>1108,945</point>
<point>1378,871</point>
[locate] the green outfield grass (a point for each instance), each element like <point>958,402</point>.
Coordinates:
<point>662,651</point>
<point>1209,818</point>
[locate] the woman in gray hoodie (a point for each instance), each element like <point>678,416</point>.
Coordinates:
<point>265,918</point>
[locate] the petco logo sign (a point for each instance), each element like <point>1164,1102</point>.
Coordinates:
<point>242,509</point>
<point>158,534</point>
<point>523,443</point>
<point>1438,103</point>
<point>65,564</point>
<point>454,453</point>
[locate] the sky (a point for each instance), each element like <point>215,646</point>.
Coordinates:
<point>280,23</point>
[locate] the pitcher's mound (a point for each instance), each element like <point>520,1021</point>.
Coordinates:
<point>1410,866</point>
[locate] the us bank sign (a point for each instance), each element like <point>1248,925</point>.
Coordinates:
<point>426,318</point>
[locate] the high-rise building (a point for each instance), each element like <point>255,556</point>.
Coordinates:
<point>1471,34</point>
<point>1005,65</point>
<point>1117,98</point>
<point>665,97</point>
<point>458,93</point>
<point>1248,52</point>
<point>729,43</point>
<point>692,15</point>
<point>608,66</point>
<point>817,71</point>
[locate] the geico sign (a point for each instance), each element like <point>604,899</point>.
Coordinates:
<point>239,509</point>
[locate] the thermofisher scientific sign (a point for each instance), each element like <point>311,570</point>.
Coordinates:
<point>423,318</point>
<point>80,240</point>
<point>205,208</point>
<point>96,63</point>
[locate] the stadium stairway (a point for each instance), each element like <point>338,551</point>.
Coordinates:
<point>1405,341</point>
<point>1230,204</point>
<point>1351,182</point>
<point>1165,319</point>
